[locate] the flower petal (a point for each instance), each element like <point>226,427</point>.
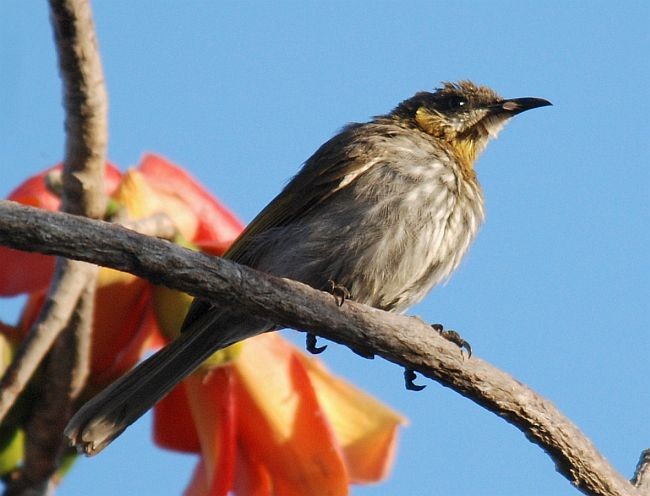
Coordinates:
<point>199,484</point>
<point>252,477</point>
<point>170,307</point>
<point>365,427</point>
<point>23,272</point>
<point>213,407</point>
<point>120,311</point>
<point>142,199</point>
<point>173,424</point>
<point>216,222</point>
<point>281,424</point>
<point>133,336</point>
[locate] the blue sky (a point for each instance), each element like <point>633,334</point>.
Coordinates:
<point>555,289</point>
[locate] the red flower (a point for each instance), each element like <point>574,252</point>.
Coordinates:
<point>25,272</point>
<point>274,422</point>
<point>265,418</point>
<point>125,323</point>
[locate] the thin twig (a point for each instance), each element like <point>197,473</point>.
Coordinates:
<point>399,339</point>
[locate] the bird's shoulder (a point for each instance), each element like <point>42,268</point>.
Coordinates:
<point>359,147</point>
<point>352,152</point>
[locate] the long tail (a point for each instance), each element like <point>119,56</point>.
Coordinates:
<point>105,416</point>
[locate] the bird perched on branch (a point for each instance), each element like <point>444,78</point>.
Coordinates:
<point>386,209</point>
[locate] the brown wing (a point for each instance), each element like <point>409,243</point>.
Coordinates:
<point>329,170</point>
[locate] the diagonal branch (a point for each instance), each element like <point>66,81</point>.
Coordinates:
<point>54,318</point>
<point>403,340</point>
<point>65,379</point>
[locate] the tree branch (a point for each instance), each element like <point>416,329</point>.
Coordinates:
<point>85,104</point>
<point>406,341</point>
<point>53,407</point>
<point>56,314</point>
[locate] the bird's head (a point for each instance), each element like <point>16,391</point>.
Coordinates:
<point>463,115</point>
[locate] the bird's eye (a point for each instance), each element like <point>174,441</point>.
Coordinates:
<point>456,102</point>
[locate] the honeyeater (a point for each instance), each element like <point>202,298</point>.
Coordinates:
<point>386,209</point>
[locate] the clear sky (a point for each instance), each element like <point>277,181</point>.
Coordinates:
<point>555,289</point>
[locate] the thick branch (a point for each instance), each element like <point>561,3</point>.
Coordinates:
<point>403,340</point>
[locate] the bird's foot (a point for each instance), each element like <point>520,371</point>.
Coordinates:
<point>340,293</point>
<point>453,337</point>
<point>409,377</point>
<point>311,345</point>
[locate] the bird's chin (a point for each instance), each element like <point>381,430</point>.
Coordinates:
<point>493,125</point>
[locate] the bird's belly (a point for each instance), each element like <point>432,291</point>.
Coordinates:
<point>404,263</point>
<point>387,256</point>
<point>389,237</point>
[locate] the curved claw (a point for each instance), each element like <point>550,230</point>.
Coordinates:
<point>311,347</point>
<point>467,347</point>
<point>453,337</point>
<point>340,293</point>
<point>409,377</point>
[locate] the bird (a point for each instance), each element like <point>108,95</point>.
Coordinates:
<point>385,209</point>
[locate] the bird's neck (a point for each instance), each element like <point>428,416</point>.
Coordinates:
<point>466,151</point>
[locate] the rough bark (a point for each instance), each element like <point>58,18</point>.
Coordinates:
<point>406,341</point>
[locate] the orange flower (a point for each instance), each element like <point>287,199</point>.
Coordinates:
<point>125,324</point>
<point>265,418</point>
<point>274,422</point>
<point>25,272</point>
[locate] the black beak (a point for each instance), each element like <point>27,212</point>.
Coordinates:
<point>516,106</point>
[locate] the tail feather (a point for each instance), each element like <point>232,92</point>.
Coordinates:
<point>106,415</point>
